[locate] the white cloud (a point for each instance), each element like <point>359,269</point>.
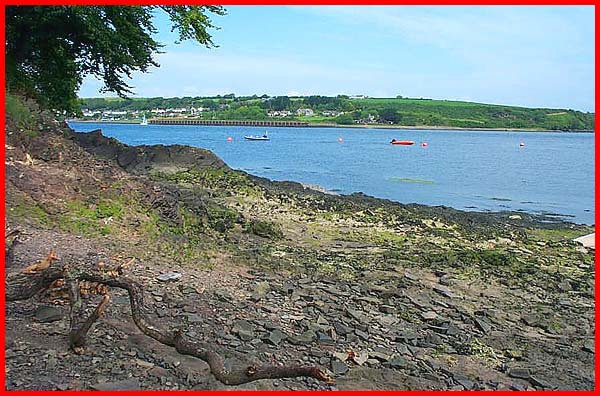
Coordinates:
<point>459,26</point>
<point>200,73</point>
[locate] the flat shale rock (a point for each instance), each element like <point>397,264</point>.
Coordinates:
<point>244,330</point>
<point>522,373</point>
<point>303,339</point>
<point>128,384</point>
<point>443,290</point>
<point>169,277</point>
<point>589,346</point>
<point>384,379</point>
<point>464,381</point>
<point>338,367</point>
<point>342,329</point>
<point>47,314</point>
<point>275,337</point>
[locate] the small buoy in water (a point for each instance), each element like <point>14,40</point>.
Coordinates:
<point>424,144</point>
<point>229,139</point>
<point>521,144</point>
<point>340,140</point>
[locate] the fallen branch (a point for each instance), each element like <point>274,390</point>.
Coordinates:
<point>10,245</point>
<point>12,233</point>
<point>22,286</point>
<point>80,325</point>
<point>42,264</point>
<point>186,346</point>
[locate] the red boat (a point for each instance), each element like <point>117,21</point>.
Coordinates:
<point>402,142</point>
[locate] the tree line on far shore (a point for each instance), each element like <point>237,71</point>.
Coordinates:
<point>50,49</point>
<point>346,110</point>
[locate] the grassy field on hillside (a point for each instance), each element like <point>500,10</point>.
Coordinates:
<point>348,111</point>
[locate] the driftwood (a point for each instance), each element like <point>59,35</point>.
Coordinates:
<point>22,286</point>
<point>11,240</point>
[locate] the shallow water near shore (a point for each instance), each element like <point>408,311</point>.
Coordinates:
<point>552,174</point>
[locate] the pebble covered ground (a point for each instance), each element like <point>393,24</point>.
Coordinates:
<point>385,331</point>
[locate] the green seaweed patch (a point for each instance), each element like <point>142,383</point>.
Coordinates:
<point>485,262</point>
<point>409,180</point>
<point>183,241</point>
<point>560,234</point>
<point>215,179</point>
<point>487,353</point>
<point>86,218</point>
<point>17,110</point>
<point>29,211</point>
<point>265,229</point>
<point>149,226</point>
<point>223,219</point>
<point>190,224</point>
<point>388,238</point>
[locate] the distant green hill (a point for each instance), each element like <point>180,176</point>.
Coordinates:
<point>344,110</point>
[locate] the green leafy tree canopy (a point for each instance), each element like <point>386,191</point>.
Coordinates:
<point>50,49</point>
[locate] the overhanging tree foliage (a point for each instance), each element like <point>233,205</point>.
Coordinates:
<point>50,49</point>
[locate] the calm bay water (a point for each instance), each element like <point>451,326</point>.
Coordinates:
<point>470,170</point>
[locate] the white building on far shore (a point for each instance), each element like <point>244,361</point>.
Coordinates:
<point>305,112</point>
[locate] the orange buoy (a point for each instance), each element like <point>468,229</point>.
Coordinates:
<point>229,139</point>
<point>424,144</point>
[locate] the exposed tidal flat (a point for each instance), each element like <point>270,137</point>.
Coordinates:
<point>552,174</point>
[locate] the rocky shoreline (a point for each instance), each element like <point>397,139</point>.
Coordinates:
<point>381,295</point>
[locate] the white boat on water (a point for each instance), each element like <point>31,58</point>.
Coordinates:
<point>144,121</point>
<point>263,137</point>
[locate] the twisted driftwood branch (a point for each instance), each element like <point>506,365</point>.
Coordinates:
<point>9,249</point>
<point>80,325</point>
<point>22,286</point>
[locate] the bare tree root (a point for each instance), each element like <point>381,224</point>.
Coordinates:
<point>80,325</point>
<point>22,286</point>
<point>186,346</point>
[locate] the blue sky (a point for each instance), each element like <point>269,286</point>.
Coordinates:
<point>538,56</point>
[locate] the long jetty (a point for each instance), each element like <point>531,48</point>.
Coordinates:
<point>260,123</point>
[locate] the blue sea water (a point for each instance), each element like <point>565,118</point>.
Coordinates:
<point>553,173</point>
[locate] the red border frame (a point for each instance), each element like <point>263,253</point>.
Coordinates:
<point>302,2</point>
<point>280,2</point>
<point>2,210</point>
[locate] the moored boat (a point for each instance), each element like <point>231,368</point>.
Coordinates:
<point>256,138</point>
<point>263,137</point>
<point>402,142</point>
